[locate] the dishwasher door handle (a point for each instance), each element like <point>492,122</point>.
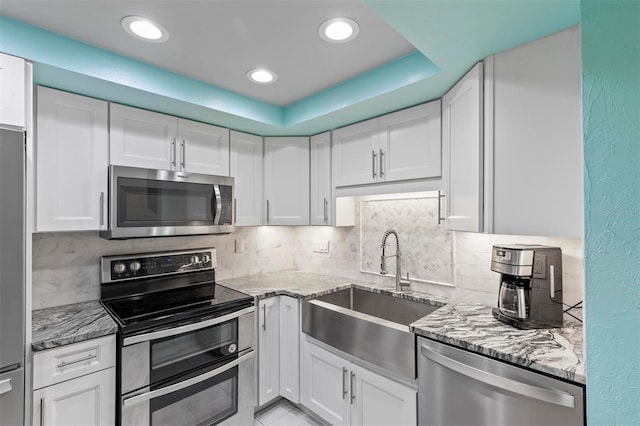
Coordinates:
<point>548,395</point>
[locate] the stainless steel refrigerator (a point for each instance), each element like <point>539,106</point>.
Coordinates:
<point>12,276</point>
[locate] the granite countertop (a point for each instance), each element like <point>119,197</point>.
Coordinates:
<point>305,285</point>
<point>63,325</point>
<point>556,351</point>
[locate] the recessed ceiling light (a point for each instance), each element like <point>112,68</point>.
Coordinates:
<point>339,30</point>
<point>262,76</point>
<point>145,29</point>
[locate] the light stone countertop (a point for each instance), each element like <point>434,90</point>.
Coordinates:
<point>305,285</point>
<point>555,351</point>
<point>63,325</point>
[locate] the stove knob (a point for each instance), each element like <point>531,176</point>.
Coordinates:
<point>195,260</point>
<point>135,266</point>
<point>119,267</point>
<point>206,259</point>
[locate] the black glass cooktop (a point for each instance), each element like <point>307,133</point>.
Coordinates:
<point>150,310</point>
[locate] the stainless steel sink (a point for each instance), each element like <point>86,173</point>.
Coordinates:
<point>371,326</point>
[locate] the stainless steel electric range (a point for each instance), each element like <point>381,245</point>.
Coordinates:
<point>185,343</point>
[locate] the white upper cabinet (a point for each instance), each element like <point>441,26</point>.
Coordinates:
<point>203,148</point>
<point>399,146</point>
<point>534,138</point>
<point>140,138</point>
<point>151,140</point>
<point>355,153</point>
<point>286,183</point>
<point>410,143</point>
<point>13,87</point>
<point>246,166</point>
<point>321,205</point>
<point>462,142</point>
<point>72,142</point>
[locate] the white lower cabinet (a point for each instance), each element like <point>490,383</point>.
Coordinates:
<point>75,384</point>
<point>278,349</point>
<point>343,393</point>
<point>88,400</point>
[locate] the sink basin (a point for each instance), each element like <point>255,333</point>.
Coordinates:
<point>373,327</point>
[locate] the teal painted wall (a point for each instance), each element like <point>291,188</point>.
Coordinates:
<point>611,122</point>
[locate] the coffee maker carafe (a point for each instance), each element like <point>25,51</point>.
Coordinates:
<point>530,294</point>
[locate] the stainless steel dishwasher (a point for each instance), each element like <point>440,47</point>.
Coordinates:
<point>458,388</point>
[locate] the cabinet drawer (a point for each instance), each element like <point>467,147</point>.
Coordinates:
<point>71,361</point>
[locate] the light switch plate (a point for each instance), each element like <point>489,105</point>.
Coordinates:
<point>239,246</point>
<point>321,246</point>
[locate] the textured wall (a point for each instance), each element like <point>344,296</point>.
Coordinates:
<point>611,114</point>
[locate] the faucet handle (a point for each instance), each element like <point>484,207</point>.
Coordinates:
<point>405,284</point>
<point>383,265</point>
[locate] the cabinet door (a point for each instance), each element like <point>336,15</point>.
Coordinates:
<point>203,148</point>
<point>12,91</point>
<point>462,141</point>
<point>286,183</point>
<point>534,93</point>
<point>321,205</point>
<point>355,154</point>
<point>324,384</point>
<point>140,138</point>
<point>381,401</point>
<point>268,350</point>
<point>410,142</point>
<point>88,401</point>
<point>289,349</point>
<point>246,168</point>
<point>71,162</point>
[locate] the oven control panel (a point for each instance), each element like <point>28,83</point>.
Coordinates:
<point>119,268</point>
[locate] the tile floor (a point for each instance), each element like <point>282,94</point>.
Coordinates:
<point>283,413</point>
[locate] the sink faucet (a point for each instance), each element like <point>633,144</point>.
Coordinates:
<point>401,285</point>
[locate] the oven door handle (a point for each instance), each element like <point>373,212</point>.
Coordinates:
<point>186,328</point>
<point>128,402</point>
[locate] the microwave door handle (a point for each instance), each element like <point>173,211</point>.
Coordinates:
<point>186,328</point>
<point>128,402</point>
<point>217,198</point>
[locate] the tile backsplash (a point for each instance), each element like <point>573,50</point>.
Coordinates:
<point>66,266</point>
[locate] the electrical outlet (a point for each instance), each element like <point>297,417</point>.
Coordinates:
<point>240,246</point>
<point>321,246</point>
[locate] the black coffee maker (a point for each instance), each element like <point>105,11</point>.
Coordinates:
<point>530,294</point>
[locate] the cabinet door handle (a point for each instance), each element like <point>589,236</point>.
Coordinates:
<point>381,163</point>
<point>325,211</point>
<point>264,317</point>
<point>183,154</point>
<point>351,386</point>
<point>235,211</point>
<point>67,363</point>
<point>344,382</point>
<point>173,153</point>
<point>101,209</point>
<point>41,411</point>
<point>373,164</point>
<point>440,197</point>
<point>267,212</point>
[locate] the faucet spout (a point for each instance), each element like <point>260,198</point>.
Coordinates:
<point>401,285</point>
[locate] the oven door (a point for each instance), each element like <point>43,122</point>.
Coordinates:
<point>219,394</point>
<point>147,203</point>
<point>155,357</point>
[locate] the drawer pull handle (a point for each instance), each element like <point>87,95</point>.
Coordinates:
<point>67,363</point>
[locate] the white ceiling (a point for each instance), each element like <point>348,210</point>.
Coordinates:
<point>218,41</point>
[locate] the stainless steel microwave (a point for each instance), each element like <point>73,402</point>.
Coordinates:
<point>160,203</point>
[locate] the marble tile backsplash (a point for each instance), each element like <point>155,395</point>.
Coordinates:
<point>66,266</point>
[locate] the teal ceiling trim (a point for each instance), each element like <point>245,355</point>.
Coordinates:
<point>64,53</point>
<point>457,34</point>
<point>384,79</point>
